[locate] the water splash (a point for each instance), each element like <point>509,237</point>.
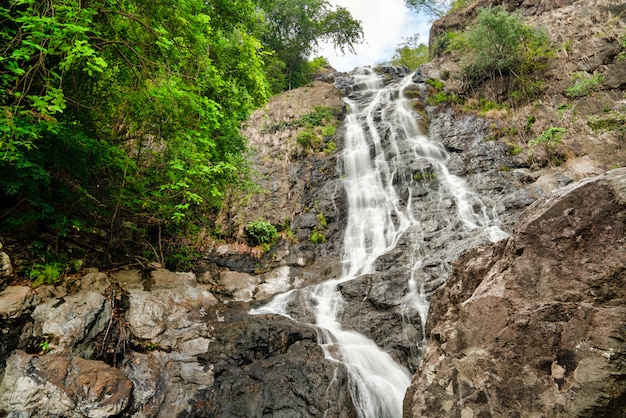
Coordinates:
<point>384,152</point>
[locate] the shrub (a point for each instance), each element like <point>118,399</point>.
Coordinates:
<point>48,273</point>
<point>500,44</point>
<point>549,139</point>
<point>261,232</point>
<point>318,237</point>
<point>583,85</point>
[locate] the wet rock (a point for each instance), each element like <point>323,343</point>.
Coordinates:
<point>269,366</point>
<point>535,323</point>
<point>374,307</point>
<point>58,385</point>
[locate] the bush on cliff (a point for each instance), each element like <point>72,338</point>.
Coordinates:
<point>500,44</point>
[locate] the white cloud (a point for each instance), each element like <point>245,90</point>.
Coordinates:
<point>385,23</point>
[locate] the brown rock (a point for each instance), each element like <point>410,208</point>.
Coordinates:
<point>57,385</point>
<point>535,325</point>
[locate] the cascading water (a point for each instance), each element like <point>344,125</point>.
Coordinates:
<point>384,152</point>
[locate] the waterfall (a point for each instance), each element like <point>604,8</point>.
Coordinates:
<point>384,152</point>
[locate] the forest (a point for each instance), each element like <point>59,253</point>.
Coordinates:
<point>121,117</point>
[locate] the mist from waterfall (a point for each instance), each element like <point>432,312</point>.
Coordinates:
<point>383,150</point>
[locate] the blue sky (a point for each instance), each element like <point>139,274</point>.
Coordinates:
<point>385,23</point>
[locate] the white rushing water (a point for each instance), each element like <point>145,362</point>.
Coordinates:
<point>381,134</point>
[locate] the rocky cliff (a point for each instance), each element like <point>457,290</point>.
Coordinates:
<point>535,325</point>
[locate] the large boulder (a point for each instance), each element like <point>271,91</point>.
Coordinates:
<point>269,365</point>
<point>62,386</point>
<point>535,325</point>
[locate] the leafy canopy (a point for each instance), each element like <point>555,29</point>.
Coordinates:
<point>112,109</point>
<point>501,44</point>
<point>294,29</point>
<point>411,53</point>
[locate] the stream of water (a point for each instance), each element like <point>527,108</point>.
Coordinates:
<point>382,138</point>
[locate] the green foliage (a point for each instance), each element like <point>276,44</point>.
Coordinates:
<point>321,115</point>
<point>438,96</point>
<point>293,29</point>
<point>117,110</point>
<point>583,84</point>
<point>180,257</point>
<point>48,273</point>
<point>609,121</point>
<point>434,9</point>
<point>549,140</point>
<point>514,149</point>
<point>422,176</point>
<point>436,84</point>
<point>329,130</point>
<point>308,139</point>
<point>44,346</point>
<point>410,53</point>
<point>330,147</point>
<point>318,237</point>
<point>261,232</point>
<point>500,44</point>
<point>482,105</point>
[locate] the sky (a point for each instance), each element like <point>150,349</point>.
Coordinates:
<point>385,23</point>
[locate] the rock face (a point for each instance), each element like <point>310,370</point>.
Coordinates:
<point>535,325</point>
<point>57,385</point>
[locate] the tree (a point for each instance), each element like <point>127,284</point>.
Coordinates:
<point>294,28</point>
<point>435,9</point>
<point>411,53</point>
<point>113,108</point>
<point>501,44</point>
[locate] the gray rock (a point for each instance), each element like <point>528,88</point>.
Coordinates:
<point>6,268</point>
<point>164,383</point>
<point>56,385</point>
<point>16,300</point>
<point>172,311</point>
<point>535,323</point>
<point>71,323</point>
<point>269,366</point>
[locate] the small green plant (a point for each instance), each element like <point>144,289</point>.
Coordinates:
<point>436,84</point>
<point>318,237</point>
<point>48,273</point>
<point>330,147</point>
<point>321,219</point>
<point>482,105</point>
<point>307,138</point>
<point>421,176</point>
<point>549,140</point>
<point>583,85</point>
<point>261,232</point>
<point>329,130</point>
<point>44,346</point>
<point>562,109</point>
<point>514,149</point>
<point>612,120</point>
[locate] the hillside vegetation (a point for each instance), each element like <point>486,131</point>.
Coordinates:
<point>119,120</point>
<point>550,81</point>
